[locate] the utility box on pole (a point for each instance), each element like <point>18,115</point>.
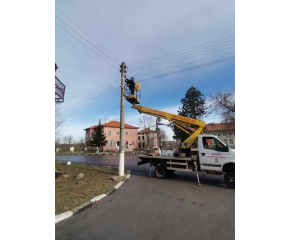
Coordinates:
<point>122,120</point>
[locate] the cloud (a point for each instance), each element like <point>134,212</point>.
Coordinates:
<point>152,29</point>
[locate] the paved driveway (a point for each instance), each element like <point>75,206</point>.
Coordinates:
<point>151,208</point>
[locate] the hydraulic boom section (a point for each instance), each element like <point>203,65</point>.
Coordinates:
<point>178,120</point>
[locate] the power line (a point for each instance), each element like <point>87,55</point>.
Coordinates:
<point>183,63</point>
<point>179,51</point>
<point>88,41</point>
<point>87,91</point>
<point>191,51</point>
<point>219,48</point>
<point>88,34</point>
<point>91,98</point>
<point>191,68</point>
<point>167,74</point>
<point>98,113</point>
<point>86,45</point>
<point>86,63</point>
<point>181,58</point>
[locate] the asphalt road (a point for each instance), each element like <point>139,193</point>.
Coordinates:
<point>151,208</point>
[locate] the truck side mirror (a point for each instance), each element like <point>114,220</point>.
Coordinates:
<point>227,148</point>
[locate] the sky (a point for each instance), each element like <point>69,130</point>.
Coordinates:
<point>153,38</point>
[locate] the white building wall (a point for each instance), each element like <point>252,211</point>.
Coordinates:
<point>226,135</point>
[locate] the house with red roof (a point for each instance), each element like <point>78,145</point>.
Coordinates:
<point>147,139</point>
<point>112,131</point>
<point>225,131</point>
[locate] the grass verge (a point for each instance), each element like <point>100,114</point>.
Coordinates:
<point>70,193</point>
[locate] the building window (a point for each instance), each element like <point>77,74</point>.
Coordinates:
<point>133,143</point>
<point>224,134</point>
<point>109,133</point>
<point>133,133</point>
<point>226,141</point>
<point>118,143</point>
<point>143,144</point>
<point>143,137</point>
<point>234,134</point>
<point>138,137</point>
<point>230,133</point>
<point>139,145</point>
<point>126,133</point>
<point>118,133</point>
<point>219,134</point>
<point>127,144</point>
<point>231,141</point>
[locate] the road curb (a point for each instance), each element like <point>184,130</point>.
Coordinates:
<point>63,216</point>
<point>86,205</point>
<point>81,207</point>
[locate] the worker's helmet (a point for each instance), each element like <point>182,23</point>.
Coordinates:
<point>132,78</point>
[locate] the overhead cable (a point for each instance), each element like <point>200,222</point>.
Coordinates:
<point>182,57</point>
<point>91,98</point>
<point>182,64</point>
<point>191,68</point>
<point>131,64</point>
<point>87,34</point>
<point>88,41</point>
<point>86,46</point>
<point>86,63</point>
<point>97,113</point>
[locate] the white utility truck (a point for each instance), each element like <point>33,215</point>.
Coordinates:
<point>212,156</point>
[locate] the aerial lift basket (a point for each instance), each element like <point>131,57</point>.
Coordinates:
<point>133,99</point>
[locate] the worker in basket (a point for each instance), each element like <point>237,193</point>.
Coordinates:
<point>130,82</point>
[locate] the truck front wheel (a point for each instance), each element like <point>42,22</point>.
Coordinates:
<point>160,171</point>
<point>230,179</point>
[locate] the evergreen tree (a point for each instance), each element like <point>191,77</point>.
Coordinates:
<point>98,138</point>
<point>193,106</point>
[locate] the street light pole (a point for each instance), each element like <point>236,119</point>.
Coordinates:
<point>121,150</point>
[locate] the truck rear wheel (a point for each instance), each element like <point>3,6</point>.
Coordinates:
<point>230,179</point>
<point>160,171</point>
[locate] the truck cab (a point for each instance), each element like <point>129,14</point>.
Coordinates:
<point>214,154</point>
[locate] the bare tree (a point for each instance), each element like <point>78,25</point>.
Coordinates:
<point>59,120</point>
<point>147,123</point>
<point>223,102</point>
<point>82,141</point>
<point>163,137</point>
<point>68,139</point>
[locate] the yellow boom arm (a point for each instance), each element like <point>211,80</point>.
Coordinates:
<point>175,119</point>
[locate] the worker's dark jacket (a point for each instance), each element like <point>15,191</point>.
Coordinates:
<point>130,82</point>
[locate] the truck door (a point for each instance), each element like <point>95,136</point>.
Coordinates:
<point>213,154</point>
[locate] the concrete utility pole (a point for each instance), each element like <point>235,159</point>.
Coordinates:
<point>122,114</point>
